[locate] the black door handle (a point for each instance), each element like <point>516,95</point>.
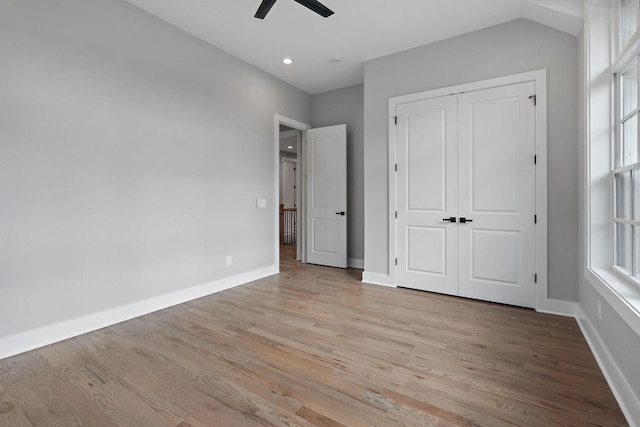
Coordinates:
<point>343,213</point>
<point>450,219</point>
<point>465,220</point>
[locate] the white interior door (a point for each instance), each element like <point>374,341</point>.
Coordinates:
<point>327,196</point>
<point>496,146</point>
<point>465,194</point>
<point>288,183</point>
<point>427,186</point>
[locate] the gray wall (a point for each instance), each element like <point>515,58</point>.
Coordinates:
<point>131,155</point>
<point>347,106</point>
<point>505,49</point>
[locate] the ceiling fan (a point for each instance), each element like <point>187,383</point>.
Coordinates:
<point>314,5</point>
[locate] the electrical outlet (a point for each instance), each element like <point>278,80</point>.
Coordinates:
<point>228,260</point>
<point>599,310</point>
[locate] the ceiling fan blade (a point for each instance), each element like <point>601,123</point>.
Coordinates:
<point>264,8</point>
<point>317,7</point>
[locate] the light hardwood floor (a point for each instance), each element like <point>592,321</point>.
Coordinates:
<point>314,346</point>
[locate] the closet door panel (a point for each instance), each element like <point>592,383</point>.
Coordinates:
<point>496,146</point>
<point>427,245</point>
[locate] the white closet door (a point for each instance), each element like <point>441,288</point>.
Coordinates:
<point>427,244</point>
<point>496,148</point>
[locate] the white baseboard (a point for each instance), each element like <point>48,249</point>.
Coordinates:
<point>377,279</point>
<point>557,307</point>
<point>35,338</point>
<point>355,263</point>
<point>628,401</point>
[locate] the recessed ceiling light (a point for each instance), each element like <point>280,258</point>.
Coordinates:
<point>287,61</point>
<point>336,60</point>
<point>290,147</point>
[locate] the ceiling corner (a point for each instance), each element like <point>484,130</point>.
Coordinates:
<point>565,16</point>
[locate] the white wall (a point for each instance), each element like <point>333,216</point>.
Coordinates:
<point>505,49</point>
<point>347,106</point>
<point>131,157</point>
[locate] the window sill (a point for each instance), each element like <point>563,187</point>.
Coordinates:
<point>621,294</point>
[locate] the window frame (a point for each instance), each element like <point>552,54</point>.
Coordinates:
<point>601,54</point>
<point>627,55</point>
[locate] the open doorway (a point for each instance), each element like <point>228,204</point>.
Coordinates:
<point>320,219</point>
<point>288,202</point>
<point>290,236</point>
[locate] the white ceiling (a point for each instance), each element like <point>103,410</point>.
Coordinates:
<point>359,30</point>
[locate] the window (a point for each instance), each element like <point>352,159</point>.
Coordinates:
<point>626,161</point>
<point>608,78</point>
<point>628,21</point>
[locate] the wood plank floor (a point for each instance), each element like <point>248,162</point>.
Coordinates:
<point>314,346</point>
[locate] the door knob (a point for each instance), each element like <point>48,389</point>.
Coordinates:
<point>464,220</point>
<point>451,219</point>
<point>343,213</point>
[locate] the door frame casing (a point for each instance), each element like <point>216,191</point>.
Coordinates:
<point>539,78</point>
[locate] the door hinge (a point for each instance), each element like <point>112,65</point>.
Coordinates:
<point>396,261</point>
<point>535,159</point>
<point>535,278</point>
<point>535,219</point>
<point>396,214</point>
<point>395,119</point>
<point>396,167</point>
<point>534,98</point>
